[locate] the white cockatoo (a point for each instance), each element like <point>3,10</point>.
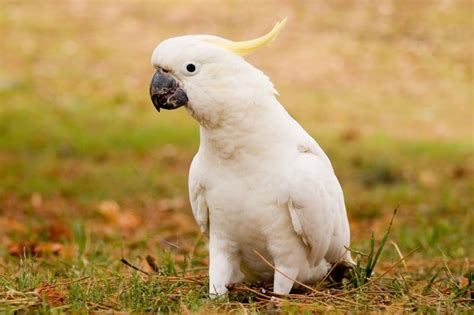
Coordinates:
<point>260,187</point>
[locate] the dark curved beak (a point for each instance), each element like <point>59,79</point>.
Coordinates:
<point>166,92</point>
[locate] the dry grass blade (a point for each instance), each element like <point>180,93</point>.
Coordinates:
<point>241,287</point>
<point>399,252</point>
<point>373,259</point>
<point>302,284</point>
<point>176,279</point>
<point>371,281</point>
<point>72,281</point>
<point>51,295</point>
<point>88,173</point>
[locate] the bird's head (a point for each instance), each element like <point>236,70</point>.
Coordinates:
<point>207,74</point>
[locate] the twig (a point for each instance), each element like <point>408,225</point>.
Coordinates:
<point>243,287</point>
<point>197,269</point>
<point>302,284</point>
<point>170,244</point>
<point>383,274</point>
<point>125,262</point>
<point>306,297</point>
<point>178,279</point>
<point>395,264</point>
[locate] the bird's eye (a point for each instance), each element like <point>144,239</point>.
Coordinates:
<point>191,68</point>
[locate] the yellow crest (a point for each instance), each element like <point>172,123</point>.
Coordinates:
<point>248,46</point>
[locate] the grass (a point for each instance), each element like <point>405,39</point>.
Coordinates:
<point>90,174</point>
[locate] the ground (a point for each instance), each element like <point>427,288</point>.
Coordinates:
<point>91,174</point>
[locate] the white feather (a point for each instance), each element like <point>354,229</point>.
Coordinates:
<point>259,183</point>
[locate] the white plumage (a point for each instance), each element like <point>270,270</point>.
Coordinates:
<point>259,182</point>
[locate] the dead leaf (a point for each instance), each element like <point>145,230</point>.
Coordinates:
<point>36,200</point>
<point>34,248</point>
<point>20,249</point>
<point>9,224</point>
<point>110,209</point>
<point>51,295</point>
<point>463,282</point>
<point>459,172</point>
<point>48,248</point>
<point>171,204</point>
<point>428,178</point>
<point>125,219</point>
<point>58,230</point>
<point>128,220</point>
<point>350,135</point>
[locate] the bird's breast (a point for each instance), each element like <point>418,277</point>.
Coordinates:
<point>244,210</point>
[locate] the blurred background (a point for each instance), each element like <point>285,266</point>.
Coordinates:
<point>88,166</point>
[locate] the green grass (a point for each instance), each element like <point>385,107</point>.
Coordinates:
<point>91,174</point>
<point>74,168</point>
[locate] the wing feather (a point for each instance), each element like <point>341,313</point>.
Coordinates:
<point>317,211</point>
<point>197,196</point>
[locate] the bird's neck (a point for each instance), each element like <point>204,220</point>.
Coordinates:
<point>244,133</point>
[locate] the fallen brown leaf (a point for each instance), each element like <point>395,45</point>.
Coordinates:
<point>125,219</point>
<point>51,295</point>
<point>463,281</point>
<point>36,200</point>
<point>428,178</point>
<point>110,209</point>
<point>10,224</point>
<point>459,172</point>
<point>350,134</point>
<point>128,220</point>
<point>58,230</point>
<point>34,248</point>
<point>23,248</point>
<point>170,204</point>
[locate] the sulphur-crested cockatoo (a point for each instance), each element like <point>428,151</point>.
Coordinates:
<point>260,186</point>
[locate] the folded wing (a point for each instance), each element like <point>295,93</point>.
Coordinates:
<point>317,210</point>
<point>197,196</point>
